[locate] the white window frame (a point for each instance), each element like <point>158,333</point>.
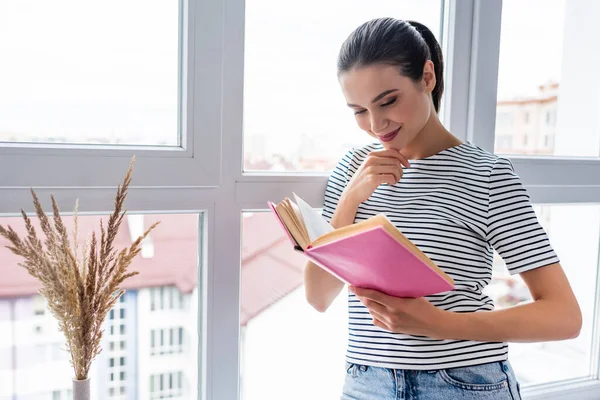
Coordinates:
<point>195,163</point>
<point>204,176</point>
<point>549,180</point>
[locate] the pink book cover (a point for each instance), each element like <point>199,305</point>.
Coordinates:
<point>373,259</point>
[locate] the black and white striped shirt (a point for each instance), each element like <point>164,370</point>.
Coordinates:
<point>457,206</point>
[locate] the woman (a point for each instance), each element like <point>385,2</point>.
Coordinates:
<point>455,201</point>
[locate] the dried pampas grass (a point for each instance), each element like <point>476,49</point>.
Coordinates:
<point>80,287</point>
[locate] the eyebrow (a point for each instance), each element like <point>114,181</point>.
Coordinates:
<point>377,98</point>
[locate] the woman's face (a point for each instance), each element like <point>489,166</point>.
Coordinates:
<point>388,106</point>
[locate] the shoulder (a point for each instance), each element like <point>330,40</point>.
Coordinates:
<point>474,155</point>
<point>482,159</point>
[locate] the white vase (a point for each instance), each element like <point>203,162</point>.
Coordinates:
<point>81,389</point>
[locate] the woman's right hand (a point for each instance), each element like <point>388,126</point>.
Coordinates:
<point>378,168</point>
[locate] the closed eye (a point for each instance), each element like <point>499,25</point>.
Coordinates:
<point>389,103</point>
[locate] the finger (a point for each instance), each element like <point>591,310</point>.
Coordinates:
<point>377,308</point>
<point>381,324</point>
<point>388,170</point>
<point>393,153</point>
<point>378,160</point>
<point>404,160</point>
<point>380,179</point>
<point>371,294</point>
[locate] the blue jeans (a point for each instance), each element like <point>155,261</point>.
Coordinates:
<point>493,381</point>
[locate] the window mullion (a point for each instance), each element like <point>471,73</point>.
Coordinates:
<point>485,53</point>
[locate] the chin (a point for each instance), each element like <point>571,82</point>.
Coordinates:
<point>397,144</point>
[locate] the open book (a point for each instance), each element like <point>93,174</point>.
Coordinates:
<point>370,254</point>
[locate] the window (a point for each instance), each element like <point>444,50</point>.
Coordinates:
<point>540,68</point>
<point>267,302</point>
<point>171,298</point>
<point>574,232</point>
<point>504,142</point>
<point>559,165</point>
<point>309,127</point>
<point>120,369</point>
<point>152,299</point>
<point>166,386</point>
<point>171,341</point>
<point>39,305</point>
<point>98,94</point>
<point>201,186</point>
<point>122,313</point>
<point>166,298</point>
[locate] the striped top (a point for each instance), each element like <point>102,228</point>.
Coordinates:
<point>457,206</point>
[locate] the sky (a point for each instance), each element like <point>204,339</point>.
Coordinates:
<point>77,69</point>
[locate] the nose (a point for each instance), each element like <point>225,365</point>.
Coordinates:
<point>379,124</point>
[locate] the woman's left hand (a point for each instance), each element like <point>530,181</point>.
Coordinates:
<point>402,315</point>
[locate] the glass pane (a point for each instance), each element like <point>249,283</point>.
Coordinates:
<point>547,104</point>
<point>574,233</point>
<point>102,72</point>
<point>274,313</point>
<point>134,362</point>
<point>295,116</point>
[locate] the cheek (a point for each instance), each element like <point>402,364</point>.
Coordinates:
<point>363,122</point>
<point>416,112</point>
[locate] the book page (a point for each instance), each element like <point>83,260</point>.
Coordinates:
<point>291,223</point>
<point>315,224</point>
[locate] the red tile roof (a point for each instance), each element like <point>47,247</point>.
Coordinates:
<point>270,268</point>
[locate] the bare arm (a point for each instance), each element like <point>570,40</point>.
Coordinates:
<point>379,167</point>
<point>553,315</point>
<point>320,286</point>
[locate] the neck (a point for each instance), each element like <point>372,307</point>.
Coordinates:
<point>432,139</point>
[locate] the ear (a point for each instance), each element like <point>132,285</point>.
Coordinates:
<point>429,79</point>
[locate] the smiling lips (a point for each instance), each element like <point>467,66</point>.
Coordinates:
<point>389,136</point>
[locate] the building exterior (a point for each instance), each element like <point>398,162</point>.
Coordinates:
<point>150,342</point>
<point>528,125</point>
